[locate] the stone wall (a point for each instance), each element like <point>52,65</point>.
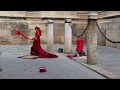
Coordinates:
<point>78,29</point>
<point>26,22</point>
<point>100,39</point>
<point>7,31</point>
<point>113,32</point>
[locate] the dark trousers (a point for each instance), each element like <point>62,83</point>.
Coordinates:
<point>81,53</point>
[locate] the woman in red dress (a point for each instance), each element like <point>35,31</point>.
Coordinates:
<point>36,48</point>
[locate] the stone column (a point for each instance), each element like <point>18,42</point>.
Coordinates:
<point>68,37</point>
<point>92,39</point>
<point>50,35</point>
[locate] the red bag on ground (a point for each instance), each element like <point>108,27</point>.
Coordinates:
<point>42,69</point>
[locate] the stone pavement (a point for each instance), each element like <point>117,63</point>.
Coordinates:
<point>61,68</point>
<point>17,68</point>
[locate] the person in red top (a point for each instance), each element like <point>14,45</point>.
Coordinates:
<point>79,46</point>
<point>36,48</point>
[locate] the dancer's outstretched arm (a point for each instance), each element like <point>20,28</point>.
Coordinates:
<point>20,33</point>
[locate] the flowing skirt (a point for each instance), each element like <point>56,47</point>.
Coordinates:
<point>36,49</point>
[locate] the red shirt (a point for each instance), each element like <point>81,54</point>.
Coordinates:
<point>79,45</point>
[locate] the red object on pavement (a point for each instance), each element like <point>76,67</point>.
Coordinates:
<point>42,69</point>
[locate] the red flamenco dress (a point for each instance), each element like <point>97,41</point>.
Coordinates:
<point>36,49</point>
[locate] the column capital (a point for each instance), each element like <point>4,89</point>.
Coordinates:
<point>68,20</point>
<point>50,21</point>
<point>92,15</point>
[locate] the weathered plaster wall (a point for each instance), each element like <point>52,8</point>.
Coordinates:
<point>26,21</point>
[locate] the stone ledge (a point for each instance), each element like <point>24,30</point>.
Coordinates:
<point>97,69</point>
<point>101,71</point>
